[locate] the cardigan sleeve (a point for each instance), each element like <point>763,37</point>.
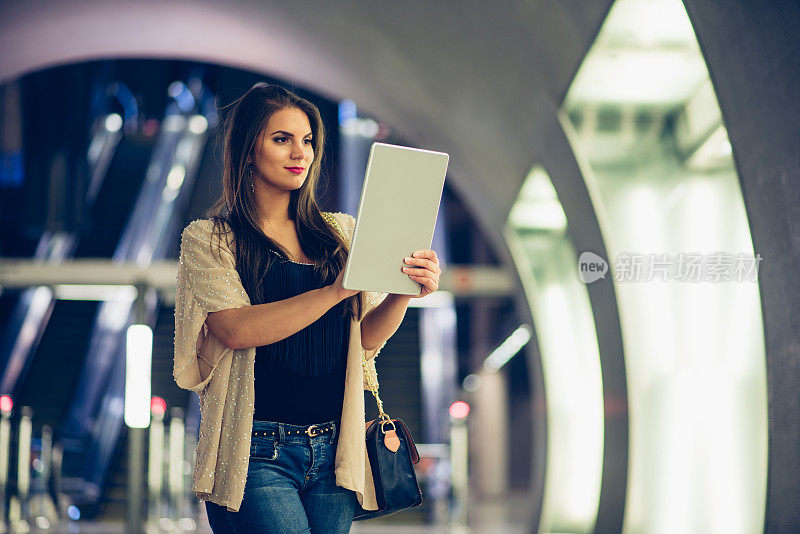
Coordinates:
<point>207,281</point>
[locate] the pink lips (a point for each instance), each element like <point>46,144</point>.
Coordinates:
<point>296,170</point>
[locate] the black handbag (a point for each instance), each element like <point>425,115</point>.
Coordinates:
<point>392,455</point>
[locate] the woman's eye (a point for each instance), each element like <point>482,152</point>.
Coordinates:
<point>282,139</point>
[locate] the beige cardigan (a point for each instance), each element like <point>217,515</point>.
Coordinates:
<point>209,282</point>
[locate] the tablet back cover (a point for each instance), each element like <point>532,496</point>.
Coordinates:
<point>396,216</point>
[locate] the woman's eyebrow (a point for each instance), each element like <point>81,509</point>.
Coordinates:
<point>287,133</point>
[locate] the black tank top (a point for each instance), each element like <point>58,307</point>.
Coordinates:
<point>300,379</point>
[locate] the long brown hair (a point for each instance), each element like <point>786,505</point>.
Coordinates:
<point>237,204</point>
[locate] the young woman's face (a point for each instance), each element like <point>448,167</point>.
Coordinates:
<point>282,148</point>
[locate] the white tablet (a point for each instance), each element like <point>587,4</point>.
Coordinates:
<point>396,216</point>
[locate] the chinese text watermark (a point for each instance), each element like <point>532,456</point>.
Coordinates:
<point>682,267</point>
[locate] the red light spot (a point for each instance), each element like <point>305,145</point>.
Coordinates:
<point>459,410</point>
<point>6,404</point>
<point>462,278</point>
<point>158,405</point>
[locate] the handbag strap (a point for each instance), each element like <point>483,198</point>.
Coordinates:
<point>373,387</point>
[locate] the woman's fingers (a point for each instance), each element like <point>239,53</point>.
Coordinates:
<point>428,285</point>
<point>423,267</point>
<point>426,259</point>
<point>427,253</point>
<point>418,271</point>
<point>427,264</point>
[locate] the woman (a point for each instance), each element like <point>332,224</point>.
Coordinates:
<point>278,341</point>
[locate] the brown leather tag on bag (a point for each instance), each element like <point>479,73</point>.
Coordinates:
<point>391,441</point>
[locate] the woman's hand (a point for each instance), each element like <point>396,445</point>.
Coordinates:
<point>423,267</point>
<point>340,292</point>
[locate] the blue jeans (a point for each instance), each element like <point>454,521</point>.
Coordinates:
<point>290,487</point>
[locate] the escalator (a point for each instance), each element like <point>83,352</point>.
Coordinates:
<point>54,369</point>
<point>93,430</point>
<point>57,361</point>
<point>65,358</point>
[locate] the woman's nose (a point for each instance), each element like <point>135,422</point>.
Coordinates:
<point>298,151</point>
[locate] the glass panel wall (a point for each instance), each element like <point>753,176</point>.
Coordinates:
<point>644,121</point>
<point>565,330</point>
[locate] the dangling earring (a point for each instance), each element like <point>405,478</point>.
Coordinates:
<point>250,176</point>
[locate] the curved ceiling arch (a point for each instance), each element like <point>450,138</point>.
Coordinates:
<point>437,76</point>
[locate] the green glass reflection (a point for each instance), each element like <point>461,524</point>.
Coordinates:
<point>565,333</point>
<point>643,119</point>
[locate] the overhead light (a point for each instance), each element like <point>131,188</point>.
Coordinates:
<point>438,299</point>
<point>508,348</point>
<point>645,54</point>
<point>537,206</point>
<point>634,76</point>
<point>175,177</point>
<point>714,152</point>
<point>198,124</point>
<point>138,363</point>
<point>102,292</point>
<point>113,122</point>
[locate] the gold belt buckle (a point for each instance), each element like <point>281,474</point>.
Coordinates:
<point>313,431</point>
